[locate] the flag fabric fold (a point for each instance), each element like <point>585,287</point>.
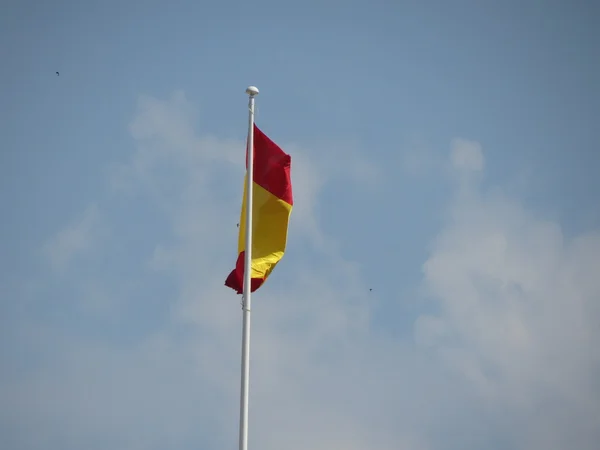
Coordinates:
<point>272,204</point>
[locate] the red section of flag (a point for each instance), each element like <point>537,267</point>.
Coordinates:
<point>271,167</point>
<point>235,280</point>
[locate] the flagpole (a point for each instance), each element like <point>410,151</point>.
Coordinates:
<point>252,91</point>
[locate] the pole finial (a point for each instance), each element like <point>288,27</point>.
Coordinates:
<point>252,91</point>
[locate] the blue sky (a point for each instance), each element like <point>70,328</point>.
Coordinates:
<point>444,154</point>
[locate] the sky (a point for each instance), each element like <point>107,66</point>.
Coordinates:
<point>440,286</point>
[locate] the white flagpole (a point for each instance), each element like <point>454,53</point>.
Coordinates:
<point>246,302</point>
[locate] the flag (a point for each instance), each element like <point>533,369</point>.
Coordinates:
<point>271,208</point>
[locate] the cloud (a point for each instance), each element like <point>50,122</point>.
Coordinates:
<point>420,159</point>
<point>503,356</point>
<point>518,307</point>
<point>75,239</point>
<point>466,155</point>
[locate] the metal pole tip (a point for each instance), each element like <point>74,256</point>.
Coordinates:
<point>252,91</point>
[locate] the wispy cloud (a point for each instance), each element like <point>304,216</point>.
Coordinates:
<point>77,238</point>
<point>466,155</point>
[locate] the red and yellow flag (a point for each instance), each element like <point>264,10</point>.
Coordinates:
<point>271,208</point>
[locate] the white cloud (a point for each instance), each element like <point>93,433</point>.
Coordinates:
<point>76,238</point>
<point>518,313</point>
<point>466,155</point>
